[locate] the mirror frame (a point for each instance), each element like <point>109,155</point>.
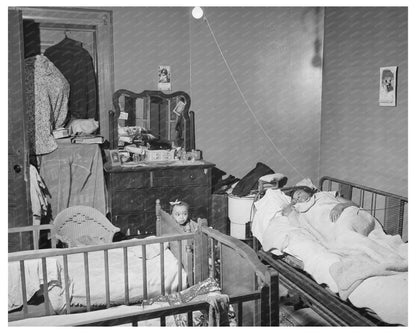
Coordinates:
<point>188,116</point>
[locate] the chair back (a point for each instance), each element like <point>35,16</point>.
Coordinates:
<point>82,225</point>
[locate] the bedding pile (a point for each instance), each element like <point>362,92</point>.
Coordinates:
<point>340,258</point>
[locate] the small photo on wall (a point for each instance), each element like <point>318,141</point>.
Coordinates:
<point>164,78</point>
<point>388,86</point>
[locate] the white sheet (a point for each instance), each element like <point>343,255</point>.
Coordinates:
<point>34,280</point>
<point>116,276</point>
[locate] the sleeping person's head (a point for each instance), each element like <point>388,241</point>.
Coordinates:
<point>301,194</point>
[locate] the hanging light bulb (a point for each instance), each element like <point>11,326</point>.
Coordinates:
<point>197,12</point>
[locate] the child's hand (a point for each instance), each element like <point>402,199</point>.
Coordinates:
<point>335,212</point>
<point>287,210</point>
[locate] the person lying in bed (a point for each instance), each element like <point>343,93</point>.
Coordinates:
<point>304,197</point>
<point>333,219</point>
<point>343,247</point>
<point>180,213</point>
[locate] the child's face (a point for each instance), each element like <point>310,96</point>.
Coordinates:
<point>180,214</point>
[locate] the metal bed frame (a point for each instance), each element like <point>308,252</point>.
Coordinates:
<point>388,208</point>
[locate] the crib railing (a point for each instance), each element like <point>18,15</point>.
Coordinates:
<point>42,255</point>
<point>238,270</point>
<point>390,209</point>
<point>233,263</point>
<point>34,230</point>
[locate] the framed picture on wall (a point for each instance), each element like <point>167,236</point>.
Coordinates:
<point>388,86</point>
<point>164,78</point>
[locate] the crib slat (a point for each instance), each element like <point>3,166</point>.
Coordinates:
<point>190,319</point>
<point>126,276</point>
<point>35,238</point>
<point>361,203</point>
<point>401,218</point>
<point>162,269</point>
<point>240,314</point>
<point>107,279</point>
<point>66,276</point>
<point>212,268</point>
<point>87,281</point>
<point>23,281</point>
<point>373,204</point>
<point>221,261</point>
<point>45,286</point>
<point>144,271</point>
<point>180,266</point>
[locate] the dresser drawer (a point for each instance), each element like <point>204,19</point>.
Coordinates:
<point>128,201</point>
<point>170,177</point>
<point>127,180</point>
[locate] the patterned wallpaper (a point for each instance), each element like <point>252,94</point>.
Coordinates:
<point>274,86</point>
<point>361,141</point>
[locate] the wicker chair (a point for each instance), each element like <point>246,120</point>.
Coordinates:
<point>81,225</point>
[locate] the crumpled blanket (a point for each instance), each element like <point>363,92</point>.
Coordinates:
<point>388,257</point>
<point>207,290</point>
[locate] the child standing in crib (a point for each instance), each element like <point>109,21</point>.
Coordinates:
<point>179,212</point>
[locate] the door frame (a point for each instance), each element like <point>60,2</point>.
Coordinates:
<point>102,21</point>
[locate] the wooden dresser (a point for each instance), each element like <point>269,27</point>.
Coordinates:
<point>132,193</point>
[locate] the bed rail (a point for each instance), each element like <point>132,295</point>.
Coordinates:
<point>44,254</point>
<point>234,265</point>
<point>334,311</point>
<point>237,268</point>
<point>35,231</point>
<point>390,209</point>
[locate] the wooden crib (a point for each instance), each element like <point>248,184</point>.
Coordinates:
<point>206,253</point>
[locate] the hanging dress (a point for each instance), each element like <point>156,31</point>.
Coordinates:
<point>47,92</point>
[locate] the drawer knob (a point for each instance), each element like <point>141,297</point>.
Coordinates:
<point>192,176</point>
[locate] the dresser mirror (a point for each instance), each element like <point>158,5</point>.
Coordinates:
<point>166,117</point>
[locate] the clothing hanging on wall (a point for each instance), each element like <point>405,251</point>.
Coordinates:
<point>47,93</point>
<point>76,65</point>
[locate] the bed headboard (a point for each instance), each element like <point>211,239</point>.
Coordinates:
<point>390,209</point>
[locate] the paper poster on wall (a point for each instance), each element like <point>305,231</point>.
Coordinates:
<point>164,80</point>
<point>388,86</point>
